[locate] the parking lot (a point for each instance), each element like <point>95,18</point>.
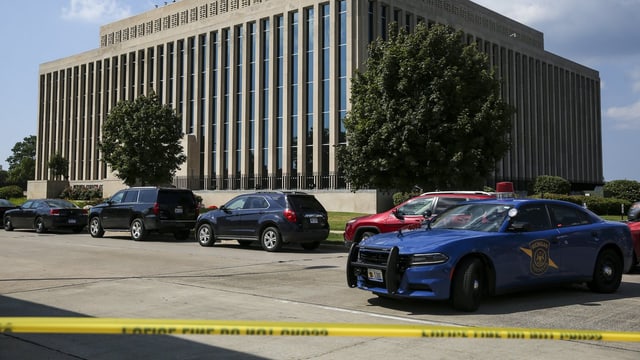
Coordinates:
<point>75,275</point>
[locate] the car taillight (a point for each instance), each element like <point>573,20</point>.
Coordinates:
<point>54,212</point>
<point>156,209</point>
<point>290,215</point>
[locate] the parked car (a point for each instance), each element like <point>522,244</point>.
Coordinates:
<point>634,212</point>
<point>272,218</point>
<point>142,210</point>
<point>6,205</point>
<point>409,214</point>
<point>489,247</point>
<point>45,214</point>
<point>634,227</point>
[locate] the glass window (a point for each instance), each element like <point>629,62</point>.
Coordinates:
<point>535,216</point>
<point>564,216</point>
<point>131,196</point>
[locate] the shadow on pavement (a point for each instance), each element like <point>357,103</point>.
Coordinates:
<point>81,346</point>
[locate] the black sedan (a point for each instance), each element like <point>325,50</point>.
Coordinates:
<point>6,205</point>
<point>44,214</point>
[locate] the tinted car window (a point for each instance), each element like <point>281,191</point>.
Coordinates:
<point>306,203</point>
<point>148,196</point>
<point>534,215</point>
<point>131,196</point>
<point>174,198</point>
<point>566,216</point>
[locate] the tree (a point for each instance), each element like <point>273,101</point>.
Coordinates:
<point>426,111</point>
<point>551,184</point>
<point>22,164</point>
<point>622,189</point>
<point>141,141</point>
<point>59,166</point>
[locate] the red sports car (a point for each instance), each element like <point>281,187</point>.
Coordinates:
<point>634,226</point>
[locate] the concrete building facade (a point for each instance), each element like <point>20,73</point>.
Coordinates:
<point>262,87</point>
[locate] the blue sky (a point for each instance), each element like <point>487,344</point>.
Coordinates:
<point>600,34</point>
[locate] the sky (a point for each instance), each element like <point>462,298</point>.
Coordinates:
<point>600,34</point>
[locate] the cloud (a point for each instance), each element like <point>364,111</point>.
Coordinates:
<point>582,29</point>
<point>95,10</point>
<point>625,117</point>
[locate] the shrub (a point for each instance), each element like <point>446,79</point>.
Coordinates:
<point>400,197</point>
<point>11,191</point>
<point>622,189</point>
<point>599,205</point>
<point>82,192</point>
<point>551,184</point>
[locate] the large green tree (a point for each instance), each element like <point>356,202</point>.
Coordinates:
<point>141,141</point>
<point>426,111</point>
<point>22,164</point>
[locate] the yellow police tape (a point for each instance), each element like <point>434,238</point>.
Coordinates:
<point>75,325</point>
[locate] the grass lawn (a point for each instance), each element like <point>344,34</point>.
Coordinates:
<point>337,220</point>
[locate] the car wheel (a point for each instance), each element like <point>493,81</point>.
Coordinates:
<point>8,226</point>
<point>138,231</point>
<point>204,234</point>
<point>95,227</point>
<point>181,235</point>
<point>39,225</point>
<point>271,239</point>
<point>607,274</point>
<point>366,234</point>
<point>245,243</point>
<point>468,285</point>
<point>310,245</point>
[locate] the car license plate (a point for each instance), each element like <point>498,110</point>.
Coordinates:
<point>313,220</point>
<point>72,221</point>
<point>375,275</point>
<point>178,210</point>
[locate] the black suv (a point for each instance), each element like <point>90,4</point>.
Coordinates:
<point>141,210</point>
<point>272,218</point>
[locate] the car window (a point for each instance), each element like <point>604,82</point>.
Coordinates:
<point>4,202</point>
<point>147,196</point>
<point>27,204</point>
<point>177,198</point>
<point>444,203</point>
<point>256,202</point>
<point>117,198</point>
<point>236,204</point>
<point>472,216</point>
<point>564,216</point>
<point>416,206</point>
<point>130,196</point>
<point>535,215</point>
<point>305,203</point>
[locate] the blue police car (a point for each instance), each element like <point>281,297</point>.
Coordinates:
<point>490,247</point>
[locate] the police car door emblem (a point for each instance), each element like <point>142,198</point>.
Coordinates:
<point>538,251</point>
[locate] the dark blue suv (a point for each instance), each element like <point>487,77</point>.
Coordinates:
<point>272,218</point>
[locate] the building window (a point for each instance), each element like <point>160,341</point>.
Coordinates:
<point>309,94</point>
<point>265,96</point>
<point>293,128</point>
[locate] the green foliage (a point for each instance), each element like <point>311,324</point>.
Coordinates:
<point>400,197</point>
<point>22,164</point>
<point>141,141</point>
<point>599,205</point>
<point>11,191</point>
<point>551,184</point>
<point>59,166</point>
<point>82,192</point>
<point>622,189</point>
<point>426,111</point>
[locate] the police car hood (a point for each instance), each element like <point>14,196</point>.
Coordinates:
<point>421,239</point>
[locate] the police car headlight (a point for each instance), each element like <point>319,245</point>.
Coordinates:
<point>428,259</point>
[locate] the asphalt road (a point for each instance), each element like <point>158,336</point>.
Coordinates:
<point>74,275</point>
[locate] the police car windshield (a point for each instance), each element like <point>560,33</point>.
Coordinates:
<point>473,216</point>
